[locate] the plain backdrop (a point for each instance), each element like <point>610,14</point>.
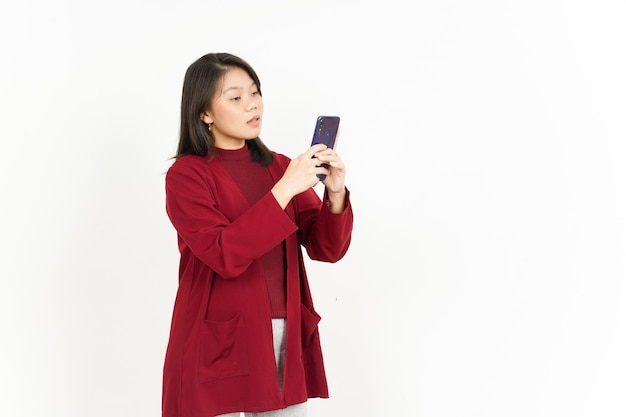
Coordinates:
<point>485,143</point>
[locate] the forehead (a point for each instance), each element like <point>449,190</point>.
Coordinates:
<point>236,78</point>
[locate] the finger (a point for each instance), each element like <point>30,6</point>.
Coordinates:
<point>328,155</point>
<point>310,153</point>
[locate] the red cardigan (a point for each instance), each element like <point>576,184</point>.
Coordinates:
<point>220,356</point>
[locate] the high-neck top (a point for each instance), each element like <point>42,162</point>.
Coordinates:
<point>255,181</point>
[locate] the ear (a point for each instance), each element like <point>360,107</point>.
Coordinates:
<point>206,118</point>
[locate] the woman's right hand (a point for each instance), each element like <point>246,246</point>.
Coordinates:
<point>299,176</point>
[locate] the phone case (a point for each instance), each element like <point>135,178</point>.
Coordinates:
<point>326,129</point>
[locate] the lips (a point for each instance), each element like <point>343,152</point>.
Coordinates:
<point>255,121</point>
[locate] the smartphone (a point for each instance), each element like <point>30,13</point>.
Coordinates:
<point>326,129</point>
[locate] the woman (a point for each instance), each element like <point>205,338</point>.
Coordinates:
<point>244,332</point>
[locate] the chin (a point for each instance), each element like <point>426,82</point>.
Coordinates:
<point>254,135</point>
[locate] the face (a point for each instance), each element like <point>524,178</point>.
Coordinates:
<point>237,110</point>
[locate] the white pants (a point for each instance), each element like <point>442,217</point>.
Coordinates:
<point>297,410</point>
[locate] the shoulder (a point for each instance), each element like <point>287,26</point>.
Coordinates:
<point>188,163</point>
<point>191,169</point>
<point>281,160</point>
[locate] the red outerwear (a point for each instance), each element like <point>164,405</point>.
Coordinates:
<point>220,355</point>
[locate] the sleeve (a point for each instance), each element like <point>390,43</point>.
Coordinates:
<point>325,235</point>
<point>226,247</point>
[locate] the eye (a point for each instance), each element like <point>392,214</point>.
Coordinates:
<point>256,93</point>
<point>236,98</point>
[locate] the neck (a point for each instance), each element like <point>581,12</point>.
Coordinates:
<point>230,144</point>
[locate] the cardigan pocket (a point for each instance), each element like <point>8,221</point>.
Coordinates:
<point>310,320</point>
<point>222,352</point>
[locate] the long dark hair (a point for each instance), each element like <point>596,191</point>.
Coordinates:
<point>199,88</point>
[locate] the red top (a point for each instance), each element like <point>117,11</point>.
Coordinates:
<point>220,356</point>
<point>254,181</point>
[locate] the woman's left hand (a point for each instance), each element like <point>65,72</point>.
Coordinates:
<point>335,178</point>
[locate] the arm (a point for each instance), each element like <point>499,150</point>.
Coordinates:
<point>325,235</point>
<point>325,229</point>
<point>228,247</point>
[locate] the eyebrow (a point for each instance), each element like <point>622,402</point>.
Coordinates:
<point>237,88</point>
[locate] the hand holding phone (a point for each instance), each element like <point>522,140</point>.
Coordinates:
<point>326,129</point>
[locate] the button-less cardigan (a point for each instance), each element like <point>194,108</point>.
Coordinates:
<point>220,355</point>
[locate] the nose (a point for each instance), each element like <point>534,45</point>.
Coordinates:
<point>253,105</point>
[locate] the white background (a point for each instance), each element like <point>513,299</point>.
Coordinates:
<point>485,143</point>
